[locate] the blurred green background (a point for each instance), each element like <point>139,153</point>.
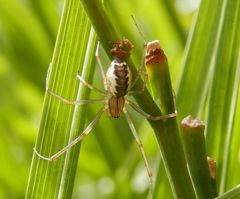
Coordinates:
<point>28,30</point>
<point>27,34</point>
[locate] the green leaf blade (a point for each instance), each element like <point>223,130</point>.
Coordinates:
<point>56,179</point>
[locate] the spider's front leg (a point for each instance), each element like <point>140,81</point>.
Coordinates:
<point>77,102</point>
<point>140,72</point>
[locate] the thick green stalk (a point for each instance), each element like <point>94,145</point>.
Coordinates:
<point>194,143</point>
<point>159,77</point>
<point>101,23</point>
<point>74,51</point>
<point>169,138</point>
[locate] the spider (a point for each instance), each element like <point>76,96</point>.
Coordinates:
<point>118,84</point>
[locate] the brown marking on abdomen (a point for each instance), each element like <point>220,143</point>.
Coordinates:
<point>115,106</point>
<point>121,72</point>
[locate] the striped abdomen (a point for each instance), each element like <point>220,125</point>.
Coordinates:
<point>118,81</point>
<point>118,78</point>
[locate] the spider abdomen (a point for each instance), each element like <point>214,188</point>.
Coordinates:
<point>118,78</point>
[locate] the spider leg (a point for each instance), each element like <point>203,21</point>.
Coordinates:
<point>148,116</point>
<point>74,102</point>
<point>101,66</point>
<point>85,83</point>
<point>145,79</point>
<point>140,71</point>
<point>140,146</point>
<point>84,133</point>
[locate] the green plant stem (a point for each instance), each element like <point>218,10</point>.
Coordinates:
<point>194,143</point>
<point>169,139</point>
<point>100,21</point>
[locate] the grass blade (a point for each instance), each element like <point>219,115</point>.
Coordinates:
<point>225,87</point>
<point>199,53</point>
<point>231,194</point>
<point>213,62</point>
<point>58,125</point>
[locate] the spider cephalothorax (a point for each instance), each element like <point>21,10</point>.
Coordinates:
<point>121,49</point>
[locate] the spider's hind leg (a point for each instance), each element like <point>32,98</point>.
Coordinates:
<point>73,102</point>
<point>141,71</point>
<point>83,134</point>
<point>141,148</point>
<point>85,83</point>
